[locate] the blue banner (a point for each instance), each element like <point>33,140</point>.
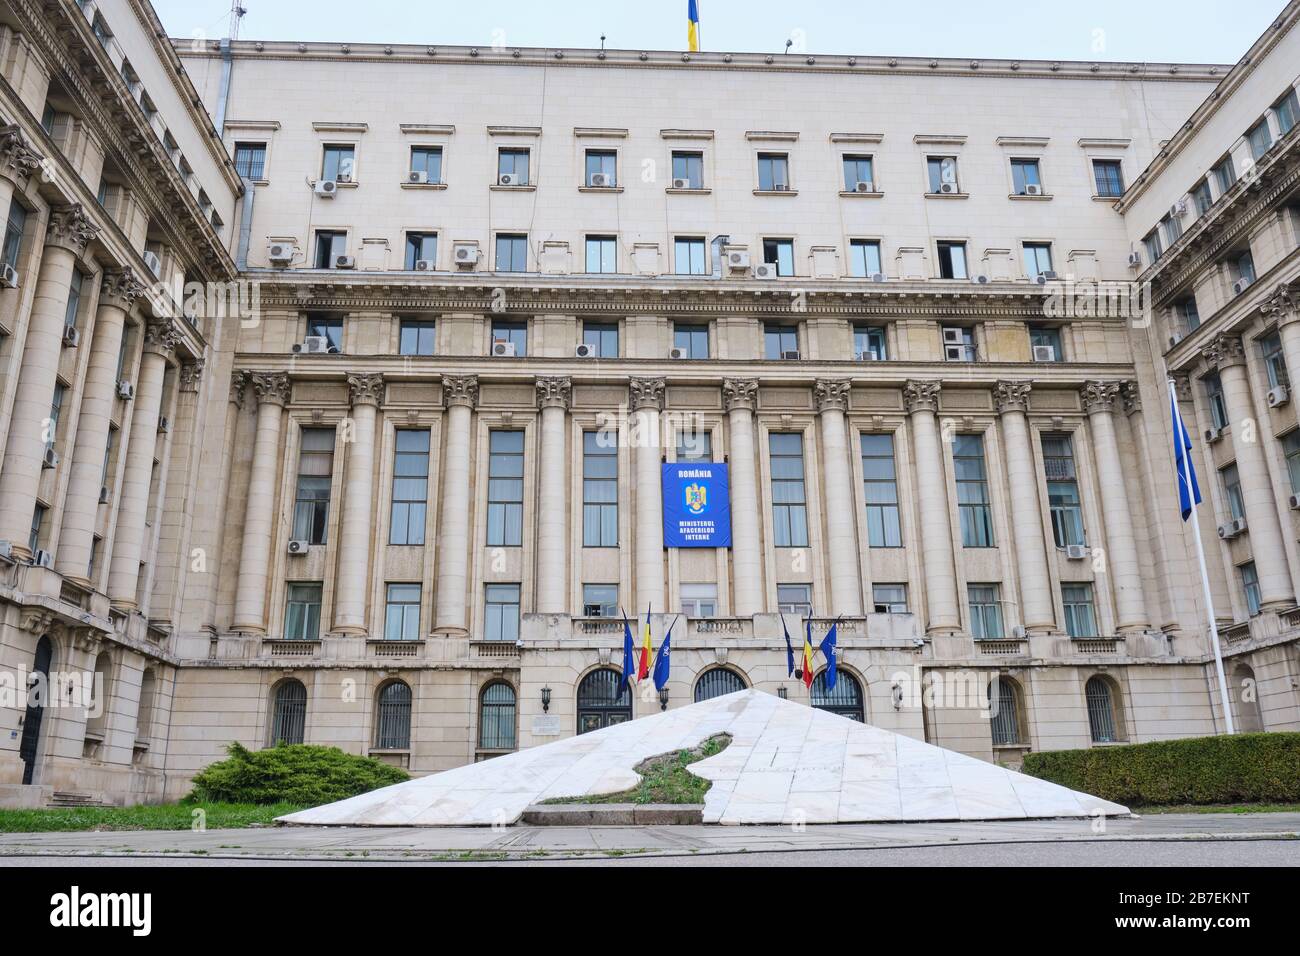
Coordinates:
<point>697,505</point>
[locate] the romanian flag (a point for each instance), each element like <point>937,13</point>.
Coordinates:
<point>808,655</point>
<point>643,668</point>
<point>693,25</point>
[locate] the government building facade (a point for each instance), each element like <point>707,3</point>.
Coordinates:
<point>341,387</point>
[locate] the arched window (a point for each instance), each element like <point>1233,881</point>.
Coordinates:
<point>289,716</point>
<point>393,717</point>
<point>716,682</point>
<point>144,713</point>
<point>1245,699</point>
<point>1103,712</point>
<point>38,695</point>
<point>1005,711</point>
<point>599,702</point>
<point>101,694</point>
<point>845,699</point>
<point>496,717</point>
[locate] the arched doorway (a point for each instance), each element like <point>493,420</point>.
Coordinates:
<point>599,702</point>
<point>1245,697</point>
<point>38,689</point>
<point>845,699</point>
<point>716,682</point>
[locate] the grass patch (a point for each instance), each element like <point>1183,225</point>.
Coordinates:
<point>664,779</point>
<point>167,816</point>
<point>1225,808</point>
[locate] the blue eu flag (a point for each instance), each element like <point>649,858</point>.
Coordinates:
<point>628,666</point>
<point>662,664</point>
<point>828,651</point>
<point>1189,492</point>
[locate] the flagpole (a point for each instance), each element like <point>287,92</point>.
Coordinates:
<point>1186,476</point>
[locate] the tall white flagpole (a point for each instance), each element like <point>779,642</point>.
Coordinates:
<point>1186,476</point>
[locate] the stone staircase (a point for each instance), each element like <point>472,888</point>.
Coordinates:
<point>66,800</point>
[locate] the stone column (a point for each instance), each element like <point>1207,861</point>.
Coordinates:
<point>69,232</point>
<point>739,398</point>
<point>647,456</point>
<point>160,338</point>
<point>921,400</point>
<point>117,293</point>
<point>553,398</point>
<point>460,395</point>
<point>17,162</point>
<point>272,390</point>
<point>356,543</point>
<point>1266,544</point>
<point>1122,564</point>
<point>832,397</point>
<point>1037,607</point>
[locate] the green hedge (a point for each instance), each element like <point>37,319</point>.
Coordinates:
<point>1245,768</point>
<point>292,773</point>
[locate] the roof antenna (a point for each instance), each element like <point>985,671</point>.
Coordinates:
<point>236,17</point>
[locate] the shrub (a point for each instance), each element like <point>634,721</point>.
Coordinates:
<point>1244,768</point>
<point>292,773</point>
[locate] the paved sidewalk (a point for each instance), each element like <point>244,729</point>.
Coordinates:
<point>471,844</point>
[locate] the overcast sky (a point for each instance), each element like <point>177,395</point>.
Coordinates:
<point>1218,31</point>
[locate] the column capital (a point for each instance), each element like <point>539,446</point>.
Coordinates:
<point>1182,385</point>
<point>238,383</point>
<point>647,393</point>
<point>271,387</point>
<point>70,228</point>
<point>921,396</point>
<point>832,394</point>
<point>366,389</point>
<point>17,159</point>
<point>191,375</point>
<point>460,390</point>
<point>1012,396</point>
<point>161,336</point>
<point>555,392</point>
<point>120,288</point>
<point>1132,397</point>
<point>739,393</point>
<point>1282,304</point>
<point>1099,397</point>
<point>1224,351</point>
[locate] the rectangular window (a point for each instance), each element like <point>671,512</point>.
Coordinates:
<point>780,252</point>
<point>1024,173</point>
<point>1291,449</point>
<point>339,163</point>
<point>694,446</point>
<point>599,490</point>
<point>602,337</point>
<point>402,613</point>
<point>34,536</point>
<point>1154,247</point>
<point>864,258</point>
<point>858,171</point>
<point>942,171</point>
<point>427,160</point>
<point>1225,174</point>
<point>889,598</point>
<point>410,487</point>
<point>789,506</point>
<point>1287,110</point>
<point>1250,585</point>
<point>985,612</point>
<point>315,470</point>
<point>1202,197</point>
<point>1171,227</point>
<point>794,599</point>
<point>56,410</point>
<point>780,342</point>
<point>691,339</point>
<point>1038,259</point>
<point>330,245</point>
<point>13,238</point>
<point>602,254</point>
<point>601,167</point>
<point>1191,316</point>
<point>972,491</point>
<point>74,299</point>
<point>1045,337</point>
<point>516,333</point>
<point>1243,266</point>
<point>302,612</point>
<point>418,337</point>
<point>1214,395</point>
<point>1260,139</point>
<point>690,257</point>
<point>869,343</point>
<point>1232,491</point>
<point>699,600</point>
<point>327,327</point>
<point>512,253</point>
<point>952,260</point>
<point>880,491</point>
<point>421,246</point>
<point>1109,177</point>
<point>505,518</point>
<point>1274,361</point>
<point>690,168</point>
<point>502,612</point>
<point>1062,490</point>
<point>1080,610</point>
<point>773,172</point>
<point>250,161</point>
<point>512,167</point>
<point>600,600</point>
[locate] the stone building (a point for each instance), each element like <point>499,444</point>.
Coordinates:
<point>389,484</point>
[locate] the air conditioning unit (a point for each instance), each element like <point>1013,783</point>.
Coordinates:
<point>1230,529</point>
<point>50,459</point>
<point>877,277</point>
<point>864,187</point>
<point>418,176</point>
<point>1212,435</point>
<point>1076,552</point>
<point>465,255</point>
<point>1039,279</point>
<point>677,354</point>
<point>681,184</point>
<point>954,353</point>
<point>601,180</point>
<point>164,425</point>
<point>1033,189</point>
<point>790,355</point>
<point>780,187</point>
<point>153,262</point>
<point>43,559</point>
<point>1240,286</point>
<point>327,188</point>
<point>980,279</point>
<point>280,253</point>
<point>125,390</point>
<point>1048,275</point>
<point>298,546</point>
<point>502,349</point>
<point>1044,353</point>
<point>509,179</point>
<point>425,265</point>
<point>584,350</point>
<point>103,494</point>
<point>1294,502</point>
<point>947,189</point>
<point>953,335</point>
<point>1278,396</point>
<point>313,345</point>
<point>1134,260</point>
<point>8,276</point>
<point>765,270</point>
<point>865,356</point>
<point>1178,208</point>
<point>345,262</point>
<point>1174,339</point>
<point>71,337</point>
<point>1019,633</point>
<point>738,260</point>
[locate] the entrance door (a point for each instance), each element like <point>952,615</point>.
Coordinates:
<point>38,689</point>
<point>599,702</point>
